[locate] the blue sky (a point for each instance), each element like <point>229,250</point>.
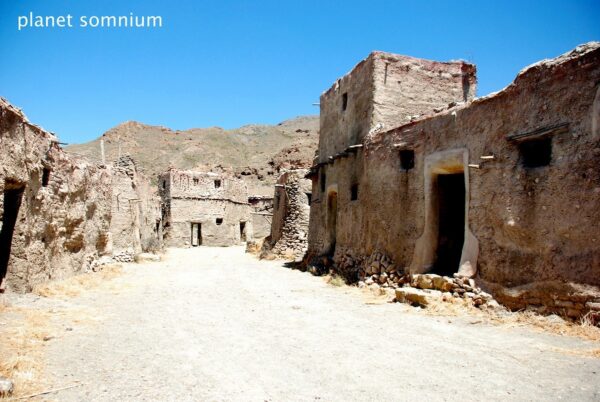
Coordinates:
<point>229,63</point>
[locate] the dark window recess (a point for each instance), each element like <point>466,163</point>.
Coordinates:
<point>536,153</point>
<point>196,181</point>
<point>164,184</point>
<point>309,198</point>
<point>344,101</point>
<point>219,221</point>
<point>217,183</point>
<point>407,159</point>
<point>322,180</point>
<point>45,177</point>
<point>354,192</point>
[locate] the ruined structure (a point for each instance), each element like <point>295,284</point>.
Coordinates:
<point>207,209</point>
<point>504,189</point>
<point>60,213</point>
<point>291,210</point>
<point>55,209</point>
<point>136,222</point>
<point>262,215</point>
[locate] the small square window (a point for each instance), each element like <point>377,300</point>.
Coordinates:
<point>196,181</point>
<point>407,159</point>
<point>219,221</point>
<point>354,192</point>
<point>536,152</point>
<point>217,183</point>
<point>344,101</point>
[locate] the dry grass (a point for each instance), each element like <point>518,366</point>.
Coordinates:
<point>78,284</point>
<point>21,349</point>
<point>463,308</point>
<point>335,280</point>
<point>26,331</point>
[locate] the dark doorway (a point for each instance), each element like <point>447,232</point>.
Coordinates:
<point>13,194</point>
<point>243,231</point>
<point>331,222</point>
<point>196,234</point>
<point>451,222</point>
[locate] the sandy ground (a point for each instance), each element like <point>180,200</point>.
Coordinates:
<point>216,324</point>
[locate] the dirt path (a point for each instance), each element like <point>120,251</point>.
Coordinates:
<point>216,324</point>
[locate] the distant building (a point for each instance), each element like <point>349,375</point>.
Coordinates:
<point>204,209</point>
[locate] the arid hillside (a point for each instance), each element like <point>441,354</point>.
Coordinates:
<point>254,152</point>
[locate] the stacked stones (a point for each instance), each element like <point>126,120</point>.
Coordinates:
<point>293,242</point>
<point>124,256</point>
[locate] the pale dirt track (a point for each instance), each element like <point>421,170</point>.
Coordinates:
<point>214,324</point>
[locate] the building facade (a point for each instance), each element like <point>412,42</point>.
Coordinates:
<point>504,188</point>
<point>204,209</point>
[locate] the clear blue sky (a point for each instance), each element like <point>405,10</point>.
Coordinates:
<point>229,63</point>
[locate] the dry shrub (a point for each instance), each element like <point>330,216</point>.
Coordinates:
<point>77,284</point>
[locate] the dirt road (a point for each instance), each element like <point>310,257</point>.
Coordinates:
<point>218,325</point>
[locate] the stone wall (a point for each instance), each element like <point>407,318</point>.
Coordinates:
<point>526,220</point>
<point>291,210</point>
<point>214,205</point>
<point>386,90</point>
<point>61,224</point>
<point>135,217</point>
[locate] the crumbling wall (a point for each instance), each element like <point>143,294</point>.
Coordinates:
<point>64,214</point>
<point>217,205</point>
<point>262,215</point>
<point>529,224</point>
<point>136,221</point>
<point>291,211</point>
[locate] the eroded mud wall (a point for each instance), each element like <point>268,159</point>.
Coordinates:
<point>63,220</point>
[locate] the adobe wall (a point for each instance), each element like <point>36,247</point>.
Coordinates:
<point>62,225</point>
<point>528,225</point>
<point>291,211</point>
<point>135,214</point>
<point>262,215</point>
<point>384,91</point>
<point>219,203</point>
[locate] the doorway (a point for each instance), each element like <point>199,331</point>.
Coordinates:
<point>243,231</point>
<point>13,194</point>
<point>331,222</point>
<point>450,189</point>
<point>196,234</point>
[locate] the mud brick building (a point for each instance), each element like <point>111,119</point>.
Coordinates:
<point>204,209</point>
<point>54,208</point>
<point>503,188</point>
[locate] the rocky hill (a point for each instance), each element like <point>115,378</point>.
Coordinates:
<point>254,152</point>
